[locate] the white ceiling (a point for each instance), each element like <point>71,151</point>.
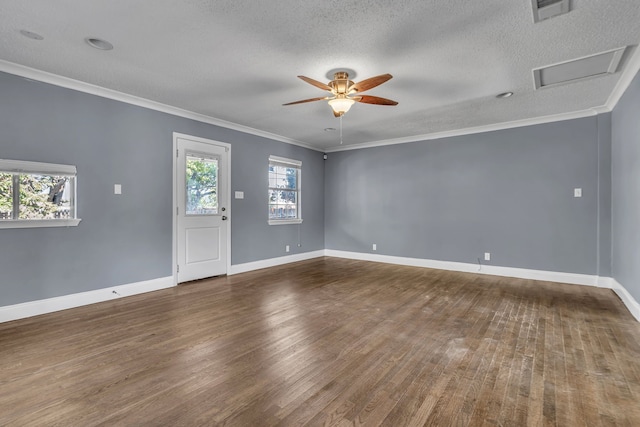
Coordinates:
<point>237,60</point>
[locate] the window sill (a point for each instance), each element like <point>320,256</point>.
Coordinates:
<point>38,223</point>
<point>284,221</point>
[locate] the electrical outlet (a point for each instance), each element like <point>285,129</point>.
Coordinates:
<point>117,189</point>
<point>374,247</point>
<point>487,256</point>
<point>577,192</point>
<point>286,248</point>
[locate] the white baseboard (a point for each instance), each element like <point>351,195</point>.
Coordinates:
<point>632,305</point>
<point>605,282</point>
<point>522,273</point>
<point>550,276</point>
<point>272,262</point>
<point>35,308</point>
<point>49,305</point>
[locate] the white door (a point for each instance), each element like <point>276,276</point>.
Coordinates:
<point>203,209</point>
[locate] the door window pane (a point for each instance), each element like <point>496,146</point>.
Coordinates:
<point>201,185</point>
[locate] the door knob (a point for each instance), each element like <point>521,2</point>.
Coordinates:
<point>224,218</point>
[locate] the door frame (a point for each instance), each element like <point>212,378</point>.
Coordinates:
<point>226,174</point>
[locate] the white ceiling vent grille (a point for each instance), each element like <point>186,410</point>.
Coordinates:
<point>545,9</point>
<point>578,69</point>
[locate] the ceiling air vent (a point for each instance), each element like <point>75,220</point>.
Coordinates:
<point>545,9</point>
<point>578,69</point>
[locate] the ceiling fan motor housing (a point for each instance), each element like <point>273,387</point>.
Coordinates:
<point>340,83</point>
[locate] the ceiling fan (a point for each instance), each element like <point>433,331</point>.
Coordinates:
<point>345,92</point>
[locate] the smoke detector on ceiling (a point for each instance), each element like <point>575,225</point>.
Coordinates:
<point>545,9</point>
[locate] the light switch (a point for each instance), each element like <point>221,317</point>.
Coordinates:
<point>577,192</point>
<point>239,195</point>
<point>117,189</point>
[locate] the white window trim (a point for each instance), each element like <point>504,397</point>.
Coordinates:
<point>298,164</point>
<point>13,166</point>
<point>21,166</point>
<point>285,221</point>
<point>38,223</point>
<point>285,161</point>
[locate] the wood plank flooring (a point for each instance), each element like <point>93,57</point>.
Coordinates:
<point>330,342</point>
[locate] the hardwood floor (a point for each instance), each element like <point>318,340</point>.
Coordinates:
<point>330,342</point>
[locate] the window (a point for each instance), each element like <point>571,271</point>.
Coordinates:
<point>284,191</point>
<point>201,184</point>
<point>37,194</point>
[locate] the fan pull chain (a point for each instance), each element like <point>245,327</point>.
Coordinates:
<point>341,128</point>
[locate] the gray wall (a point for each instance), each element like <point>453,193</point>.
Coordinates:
<point>253,238</point>
<point>625,235</point>
<point>507,192</point>
<point>125,239</point>
<point>604,194</point>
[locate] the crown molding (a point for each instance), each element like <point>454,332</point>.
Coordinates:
<point>601,109</point>
<point>629,73</point>
<point>631,70</point>
<point>476,129</point>
<point>80,86</point>
<point>627,76</point>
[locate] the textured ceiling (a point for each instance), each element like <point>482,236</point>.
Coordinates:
<point>237,60</point>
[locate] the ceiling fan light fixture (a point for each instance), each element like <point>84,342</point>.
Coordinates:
<point>341,87</point>
<point>341,105</point>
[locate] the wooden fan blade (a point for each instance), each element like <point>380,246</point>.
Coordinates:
<point>369,83</point>
<point>316,83</point>
<point>308,100</point>
<point>366,99</point>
